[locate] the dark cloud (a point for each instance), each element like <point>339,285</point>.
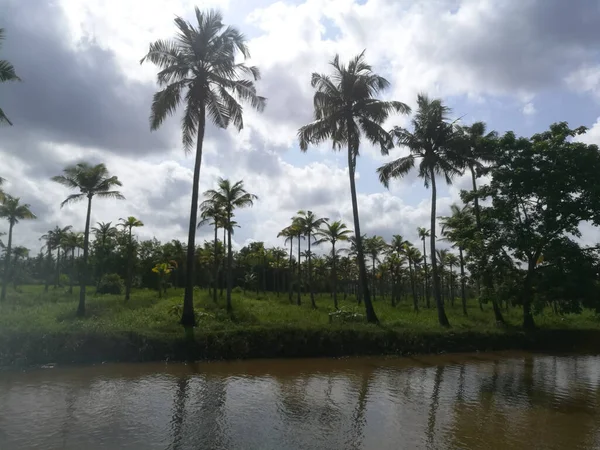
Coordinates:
<point>70,95</point>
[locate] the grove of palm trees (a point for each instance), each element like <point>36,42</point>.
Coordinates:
<point>508,257</point>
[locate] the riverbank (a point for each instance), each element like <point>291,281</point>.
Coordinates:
<point>41,328</point>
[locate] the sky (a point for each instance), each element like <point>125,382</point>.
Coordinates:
<point>517,65</point>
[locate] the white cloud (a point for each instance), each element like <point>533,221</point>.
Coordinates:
<point>529,109</point>
<point>585,79</point>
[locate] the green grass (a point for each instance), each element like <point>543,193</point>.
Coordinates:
<point>40,327</point>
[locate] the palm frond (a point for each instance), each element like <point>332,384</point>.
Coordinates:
<point>395,169</point>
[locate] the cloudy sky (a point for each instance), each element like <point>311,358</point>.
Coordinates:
<point>517,65</point>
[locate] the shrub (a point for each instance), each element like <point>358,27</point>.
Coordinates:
<point>111,284</point>
<point>64,279</point>
<point>237,290</point>
<point>345,315</point>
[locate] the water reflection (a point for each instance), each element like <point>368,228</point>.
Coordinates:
<point>490,402</point>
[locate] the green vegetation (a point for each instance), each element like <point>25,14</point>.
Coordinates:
<point>38,327</point>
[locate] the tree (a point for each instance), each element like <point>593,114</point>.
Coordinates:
<point>128,225</point>
<point>459,229</point>
<point>13,211</point>
<point>289,234</point>
<point>162,270</point>
<point>413,255</point>
<point>199,66</point>
<point>452,261</point>
<point>423,234</point>
<point>70,242</point>
<point>436,143</point>
<point>214,214</point>
<point>90,181</point>
<point>332,233</point>
<point>542,188</point>
<point>57,240</point>
<point>374,246</point>
<point>7,73</point>
<point>310,224</point>
<point>230,197</point>
<point>441,255</point>
<point>104,234</point>
<point>346,109</point>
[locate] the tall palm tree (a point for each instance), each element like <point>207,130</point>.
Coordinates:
<point>477,151</point>
<point>70,242</point>
<point>310,224</point>
<point>213,214</point>
<point>128,225</point>
<point>289,234</point>
<point>199,67</point>
<point>12,210</point>
<point>441,258</point>
<point>7,73</point>
<point>230,197</point>
<point>90,181</point>
<point>413,255</point>
<point>332,233</point>
<point>374,246</point>
<point>451,262</point>
<point>346,107</point>
<point>436,143</point>
<point>104,232</point>
<point>423,234</point>
<point>57,241</point>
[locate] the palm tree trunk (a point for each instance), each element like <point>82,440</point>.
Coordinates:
<point>72,270</point>
<point>229,263</point>
<point>7,262</point>
<point>442,318</point>
<point>334,276</point>
<point>463,293</point>
<point>57,270</point>
<point>84,266</point>
<point>413,286</point>
<point>291,271</point>
<point>49,262</point>
<point>223,262</point>
<point>298,299</point>
<point>451,286</point>
<point>129,268</point>
<point>426,275</point>
<point>310,275</point>
<point>373,278</point>
<point>362,270</point>
<point>188,318</point>
<point>526,295</point>
<point>215,264</point>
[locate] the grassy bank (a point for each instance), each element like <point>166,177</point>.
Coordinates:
<point>39,328</point>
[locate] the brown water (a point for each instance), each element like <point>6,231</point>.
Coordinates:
<point>485,401</point>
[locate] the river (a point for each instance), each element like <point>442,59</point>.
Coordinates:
<point>472,401</point>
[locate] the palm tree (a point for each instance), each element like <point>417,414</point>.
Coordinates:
<point>200,66</point>
<point>230,197</point>
<point>58,239</point>
<point>373,248</point>
<point>7,73</point>
<point>441,257</point>
<point>423,234</point>
<point>436,143</point>
<point>333,233</point>
<point>128,224</point>
<point>346,107</point>
<point>310,224</point>
<point>90,181</point>
<point>12,210</point>
<point>451,262</point>
<point>70,242</point>
<point>213,213</point>
<point>413,255</point>
<point>289,233</point>
<point>103,233</point>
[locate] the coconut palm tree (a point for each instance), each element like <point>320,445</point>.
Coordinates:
<point>441,255</point>
<point>58,239</point>
<point>423,234</point>
<point>12,210</point>
<point>451,262</point>
<point>199,67</point>
<point>310,224</point>
<point>213,214</point>
<point>346,108</point>
<point>128,225</point>
<point>230,197</point>
<point>289,234</point>
<point>103,234</point>
<point>91,181</point>
<point>70,242</point>
<point>374,246</point>
<point>436,143</point>
<point>333,233</point>
<point>413,255</point>
<point>7,73</point>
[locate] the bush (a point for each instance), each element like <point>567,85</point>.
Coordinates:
<point>237,290</point>
<point>111,284</point>
<point>64,280</point>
